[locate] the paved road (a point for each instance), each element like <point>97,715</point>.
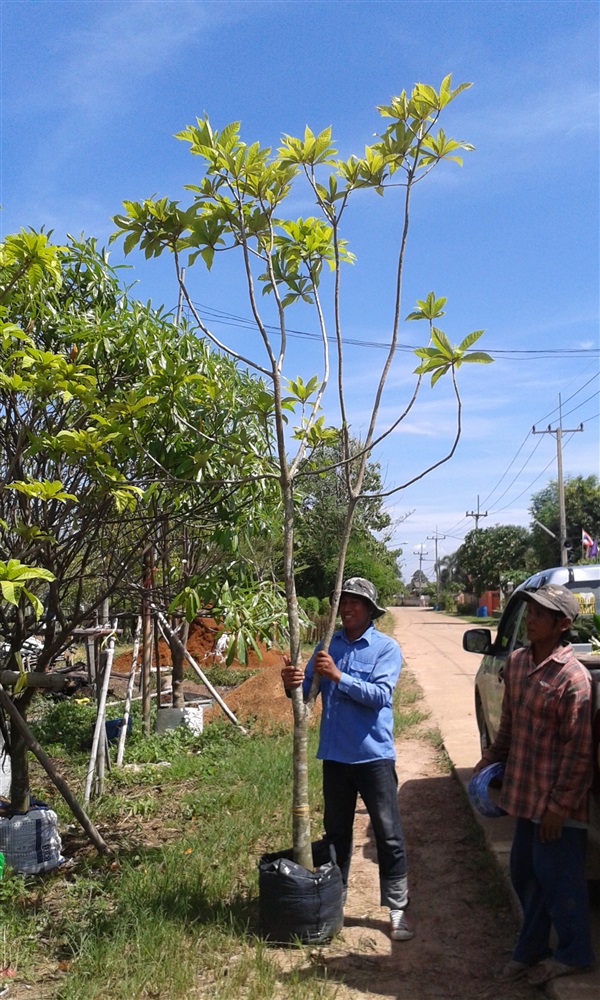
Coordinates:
<point>432,650</point>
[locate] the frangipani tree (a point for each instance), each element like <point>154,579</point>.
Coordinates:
<point>238,207</point>
<point>109,414</point>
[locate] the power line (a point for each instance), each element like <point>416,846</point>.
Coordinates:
<point>522,469</point>
<point>522,445</point>
<point>509,354</point>
<point>548,416</point>
<point>506,471</point>
<point>578,407</point>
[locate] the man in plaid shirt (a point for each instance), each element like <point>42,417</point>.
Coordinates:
<point>545,739</point>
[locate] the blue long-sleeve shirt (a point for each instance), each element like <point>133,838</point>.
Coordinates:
<point>357,718</point>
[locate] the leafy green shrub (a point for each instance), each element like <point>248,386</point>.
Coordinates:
<point>448,601</point>
<point>324,606</point>
<point>312,607</point>
<point>584,628</point>
<point>68,723</point>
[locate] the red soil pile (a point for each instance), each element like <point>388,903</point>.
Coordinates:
<point>260,698</point>
<point>201,643</point>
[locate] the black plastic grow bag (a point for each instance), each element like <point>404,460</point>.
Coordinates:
<point>300,905</point>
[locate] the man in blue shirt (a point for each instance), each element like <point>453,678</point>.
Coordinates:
<point>358,676</point>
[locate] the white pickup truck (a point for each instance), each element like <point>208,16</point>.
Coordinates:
<point>489,688</point>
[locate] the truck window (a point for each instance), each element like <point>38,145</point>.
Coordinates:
<point>511,633</point>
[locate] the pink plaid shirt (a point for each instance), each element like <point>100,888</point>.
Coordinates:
<point>545,736</point>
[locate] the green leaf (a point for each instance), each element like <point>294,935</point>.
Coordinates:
<point>470,339</point>
<point>442,343</point>
<point>208,255</point>
<point>10,591</point>
<point>438,374</point>
<point>241,648</point>
<point>36,604</point>
<point>478,357</point>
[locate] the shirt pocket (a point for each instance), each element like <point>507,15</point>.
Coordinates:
<point>359,667</point>
<point>540,705</point>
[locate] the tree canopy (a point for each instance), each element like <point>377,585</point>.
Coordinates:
<point>582,508</point>
<point>322,506</point>
<point>488,555</point>
<point>118,429</point>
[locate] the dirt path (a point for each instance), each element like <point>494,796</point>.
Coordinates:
<point>459,938</point>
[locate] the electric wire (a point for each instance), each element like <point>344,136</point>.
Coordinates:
<point>525,354</point>
<point>568,399</point>
<point>510,354</point>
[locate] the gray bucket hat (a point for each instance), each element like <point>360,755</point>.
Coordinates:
<point>555,598</point>
<point>363,588</point>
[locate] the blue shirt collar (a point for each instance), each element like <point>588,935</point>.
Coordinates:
<point>367,635</point>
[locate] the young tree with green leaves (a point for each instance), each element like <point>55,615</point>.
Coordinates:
<point>117,430</point>
<point>582,508</point>
<point>238,206</point>
<point>487,555</point>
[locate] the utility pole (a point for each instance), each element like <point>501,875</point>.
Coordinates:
<point>476,514</point>
<point>562,515</point>
<point>435,539</point>
<point>421,556</point>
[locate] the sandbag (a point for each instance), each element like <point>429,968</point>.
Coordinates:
<point>30,842</point>
<point>300,905</point>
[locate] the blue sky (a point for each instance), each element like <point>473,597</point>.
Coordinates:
<point>93,92</point>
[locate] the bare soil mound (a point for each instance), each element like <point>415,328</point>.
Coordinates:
<point>261,697</point>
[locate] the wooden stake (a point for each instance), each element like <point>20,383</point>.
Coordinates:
<point>58,781</point>
<point>147,574</point>
<point>169,634</point>
<point>129,694</point>
<point>100,728</point>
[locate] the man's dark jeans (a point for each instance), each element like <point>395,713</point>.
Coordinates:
<point>377,784</point>
<point>549,879</point>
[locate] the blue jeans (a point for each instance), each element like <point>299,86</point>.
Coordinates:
<point>377,784</point>
<point>549,880</point>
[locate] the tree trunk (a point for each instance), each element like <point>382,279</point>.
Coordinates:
<point>301,836</point>
<point>19,764</point>
<point>178,660</point>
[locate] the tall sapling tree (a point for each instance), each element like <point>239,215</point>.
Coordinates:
<point>237,207</point>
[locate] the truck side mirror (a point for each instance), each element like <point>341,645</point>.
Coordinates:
<point>478,640</point>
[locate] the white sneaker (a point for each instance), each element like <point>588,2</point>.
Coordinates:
<point>401,928</point>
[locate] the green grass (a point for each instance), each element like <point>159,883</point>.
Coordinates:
<point>220,676</point>
<point>173,913</point>
<point>408,712</point>
<point>175,910</point>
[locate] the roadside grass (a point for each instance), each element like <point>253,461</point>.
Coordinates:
<point>492,889</point>
<point>172,913</point>
<point>489,622</point>
<point>435,738</point>
<point>408,713</point>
